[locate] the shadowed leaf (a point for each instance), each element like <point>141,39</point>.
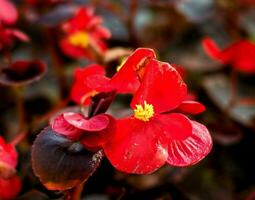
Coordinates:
<point>57,15</point>
<point>22,72</point>
<point>218,88</point>
<point>60,163</point>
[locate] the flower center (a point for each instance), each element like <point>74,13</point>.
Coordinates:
<point>144,112</point>
<point>79,39</point>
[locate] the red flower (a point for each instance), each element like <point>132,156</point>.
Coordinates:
<point>9,188</point>
<point>8,159</point>
<point>9,35</point>
<point>8,12</point>
<point>240,55</point>
<point>84,35</point>
<point>154,136</point>
<point>10,184</point>
<point>92,80</point>
<point>9,16</point>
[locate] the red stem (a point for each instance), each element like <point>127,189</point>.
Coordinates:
<point>75,193</point>
<point>23,134</point>
<point>131,20</point>
<point>20,108</point>
<point>233,89</point>
<point>56,61</point>
<point>19,138</point>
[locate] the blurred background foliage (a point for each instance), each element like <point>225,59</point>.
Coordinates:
<point>174,28</point>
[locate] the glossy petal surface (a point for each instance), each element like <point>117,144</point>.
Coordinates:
<point>191,107</point>
<point>96,123</point>
<point>61,126</point>
<point>135,147</point>
<point>191,150</point>
<point>161,86</point>
<point>174,126</point>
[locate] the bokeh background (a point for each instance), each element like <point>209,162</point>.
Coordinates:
<point>175,30</point>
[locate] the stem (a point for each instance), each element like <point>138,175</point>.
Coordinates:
<point>25,131</point>
<point>233,90</point>
<point>47,115</point>
<point>56,62</point>
<point>21,117</point>
<point>20,108</point>
<point>19,138</point>
<point>131,20</point>
<point>246,101</point>
<point>75,193</point>
<point>7,56</point>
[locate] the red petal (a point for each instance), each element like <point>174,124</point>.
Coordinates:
<point>190,107</point>
<point>73,51</point>
<point>102,32</point>
<point>80,88</point>
<point>20,35</point>
<point>191,150</point>
<point>96,123</point>
<point>244,56</point>
<point>174,125</point>
<point>126,80</point>
<point>61,126</point>
<point>97,43</point>
<point>180,69</point>
<point>215,52</point>
<point>9,188</point>
<point>82,19</point>
<point>8,12</point>
<point>8,159</point>
<point>99,82</point>
<point>135,147</point>
<point>211,48</point>
<point>240,55</point>
<point>96,141</point>
<point>161,86</point>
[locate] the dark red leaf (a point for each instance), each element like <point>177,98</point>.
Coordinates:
<point>60,163</point>
<point>22,72</point>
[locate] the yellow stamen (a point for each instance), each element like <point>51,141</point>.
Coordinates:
<point>79,39</point>
<point>144,112</point>
<point>121,64</point>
